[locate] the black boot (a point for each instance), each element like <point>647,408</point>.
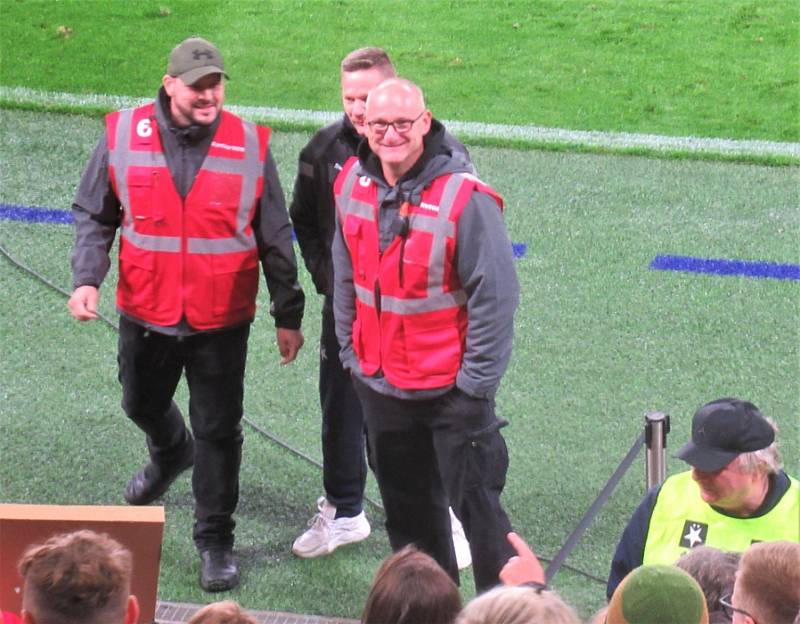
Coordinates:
<point>153,480</point>
<point>219,571</point>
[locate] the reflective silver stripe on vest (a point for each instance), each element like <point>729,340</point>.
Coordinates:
<point>431,303</point>
<point>362,209</point>
<point>365,295</point>
<point>441,227</point>
<point>249,169</point>
<point>121,158</point>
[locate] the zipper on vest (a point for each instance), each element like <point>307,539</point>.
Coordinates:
<point>400,228</point>
<point>158,213</point>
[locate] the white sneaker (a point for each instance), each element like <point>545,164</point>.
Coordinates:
<point>326,532</point>
<point>460,543</point>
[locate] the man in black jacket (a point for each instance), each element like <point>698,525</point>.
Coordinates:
<point>341,518</point>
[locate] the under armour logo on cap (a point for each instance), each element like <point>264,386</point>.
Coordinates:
<point>194,58</point>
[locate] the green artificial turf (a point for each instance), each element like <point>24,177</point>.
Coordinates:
<point>600,340</point>
<point>706,68</point>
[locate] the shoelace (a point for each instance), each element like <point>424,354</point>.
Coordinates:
<point>318,520</point>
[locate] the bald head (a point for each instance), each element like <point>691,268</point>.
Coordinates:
<point>398,91</point>
<point>397,122</point>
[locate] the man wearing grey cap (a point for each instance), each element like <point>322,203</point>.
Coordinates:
<point>735,494</point>
<point>195,194</point>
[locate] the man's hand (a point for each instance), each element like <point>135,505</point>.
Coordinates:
<point>523,568</point>
<point>289,343</point>
<point>83,303</point>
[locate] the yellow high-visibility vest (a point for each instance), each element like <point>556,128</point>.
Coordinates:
<point>681,520</point>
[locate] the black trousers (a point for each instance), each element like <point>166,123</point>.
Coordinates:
<point>150,366</point>
<point>428,452</point>
<point>344,466</point>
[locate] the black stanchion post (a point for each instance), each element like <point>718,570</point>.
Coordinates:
<point>656,429</point>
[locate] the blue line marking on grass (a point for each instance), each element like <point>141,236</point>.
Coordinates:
<point>13,212</point>
<point>716,266</point>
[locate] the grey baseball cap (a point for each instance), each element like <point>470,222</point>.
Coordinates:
<point>722,430</point>
<point>194,58</point>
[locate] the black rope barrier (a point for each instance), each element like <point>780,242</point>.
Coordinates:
<point>594,509</point>
<point>556,563</point>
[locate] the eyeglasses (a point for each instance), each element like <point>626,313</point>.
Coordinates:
<point>401,126</point>
<point>728,609</point>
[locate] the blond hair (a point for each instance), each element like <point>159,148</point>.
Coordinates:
<point>518,605</point>
<point>368,58</point>
<point>768,582</point>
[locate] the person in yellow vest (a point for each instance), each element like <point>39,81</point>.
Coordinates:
<point>424,296</point>
<point>194,192</point>
<point>735,494</point>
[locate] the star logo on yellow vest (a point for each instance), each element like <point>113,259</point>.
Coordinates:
<point>694,534</point>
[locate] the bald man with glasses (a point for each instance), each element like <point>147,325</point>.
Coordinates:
<point>424,296</point>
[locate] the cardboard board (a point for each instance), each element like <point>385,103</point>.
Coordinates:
<point>140,529</point>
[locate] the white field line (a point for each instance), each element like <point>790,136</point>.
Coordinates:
<point>534,134</point>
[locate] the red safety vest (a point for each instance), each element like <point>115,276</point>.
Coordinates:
<point>195,257</point>
<point>416,334</point>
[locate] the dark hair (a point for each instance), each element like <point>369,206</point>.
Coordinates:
<point>713,569</point>
<point>409,588</point>
<point>82,578</point>
<point>368,58</point>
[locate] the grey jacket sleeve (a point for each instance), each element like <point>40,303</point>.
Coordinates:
<point>344,298</point>
<point>485,265</point>
<point>275,248</point>
<point>97,215</point>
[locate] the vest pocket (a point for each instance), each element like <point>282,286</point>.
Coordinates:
<point>234,283</point>
<point>141,196</point>
<point>137,283</point>
<point>433,347</point>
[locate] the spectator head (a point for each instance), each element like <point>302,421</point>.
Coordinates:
<point>767,588</point>
<point>368,58</point>
<point>518,605</point>
<point>362,70</point>
<point>224,612</point>
<point>714,570</point>
<point>657,594</point>
<point>410,587</point>
<point>732,452</point>
<point>78,578</point>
